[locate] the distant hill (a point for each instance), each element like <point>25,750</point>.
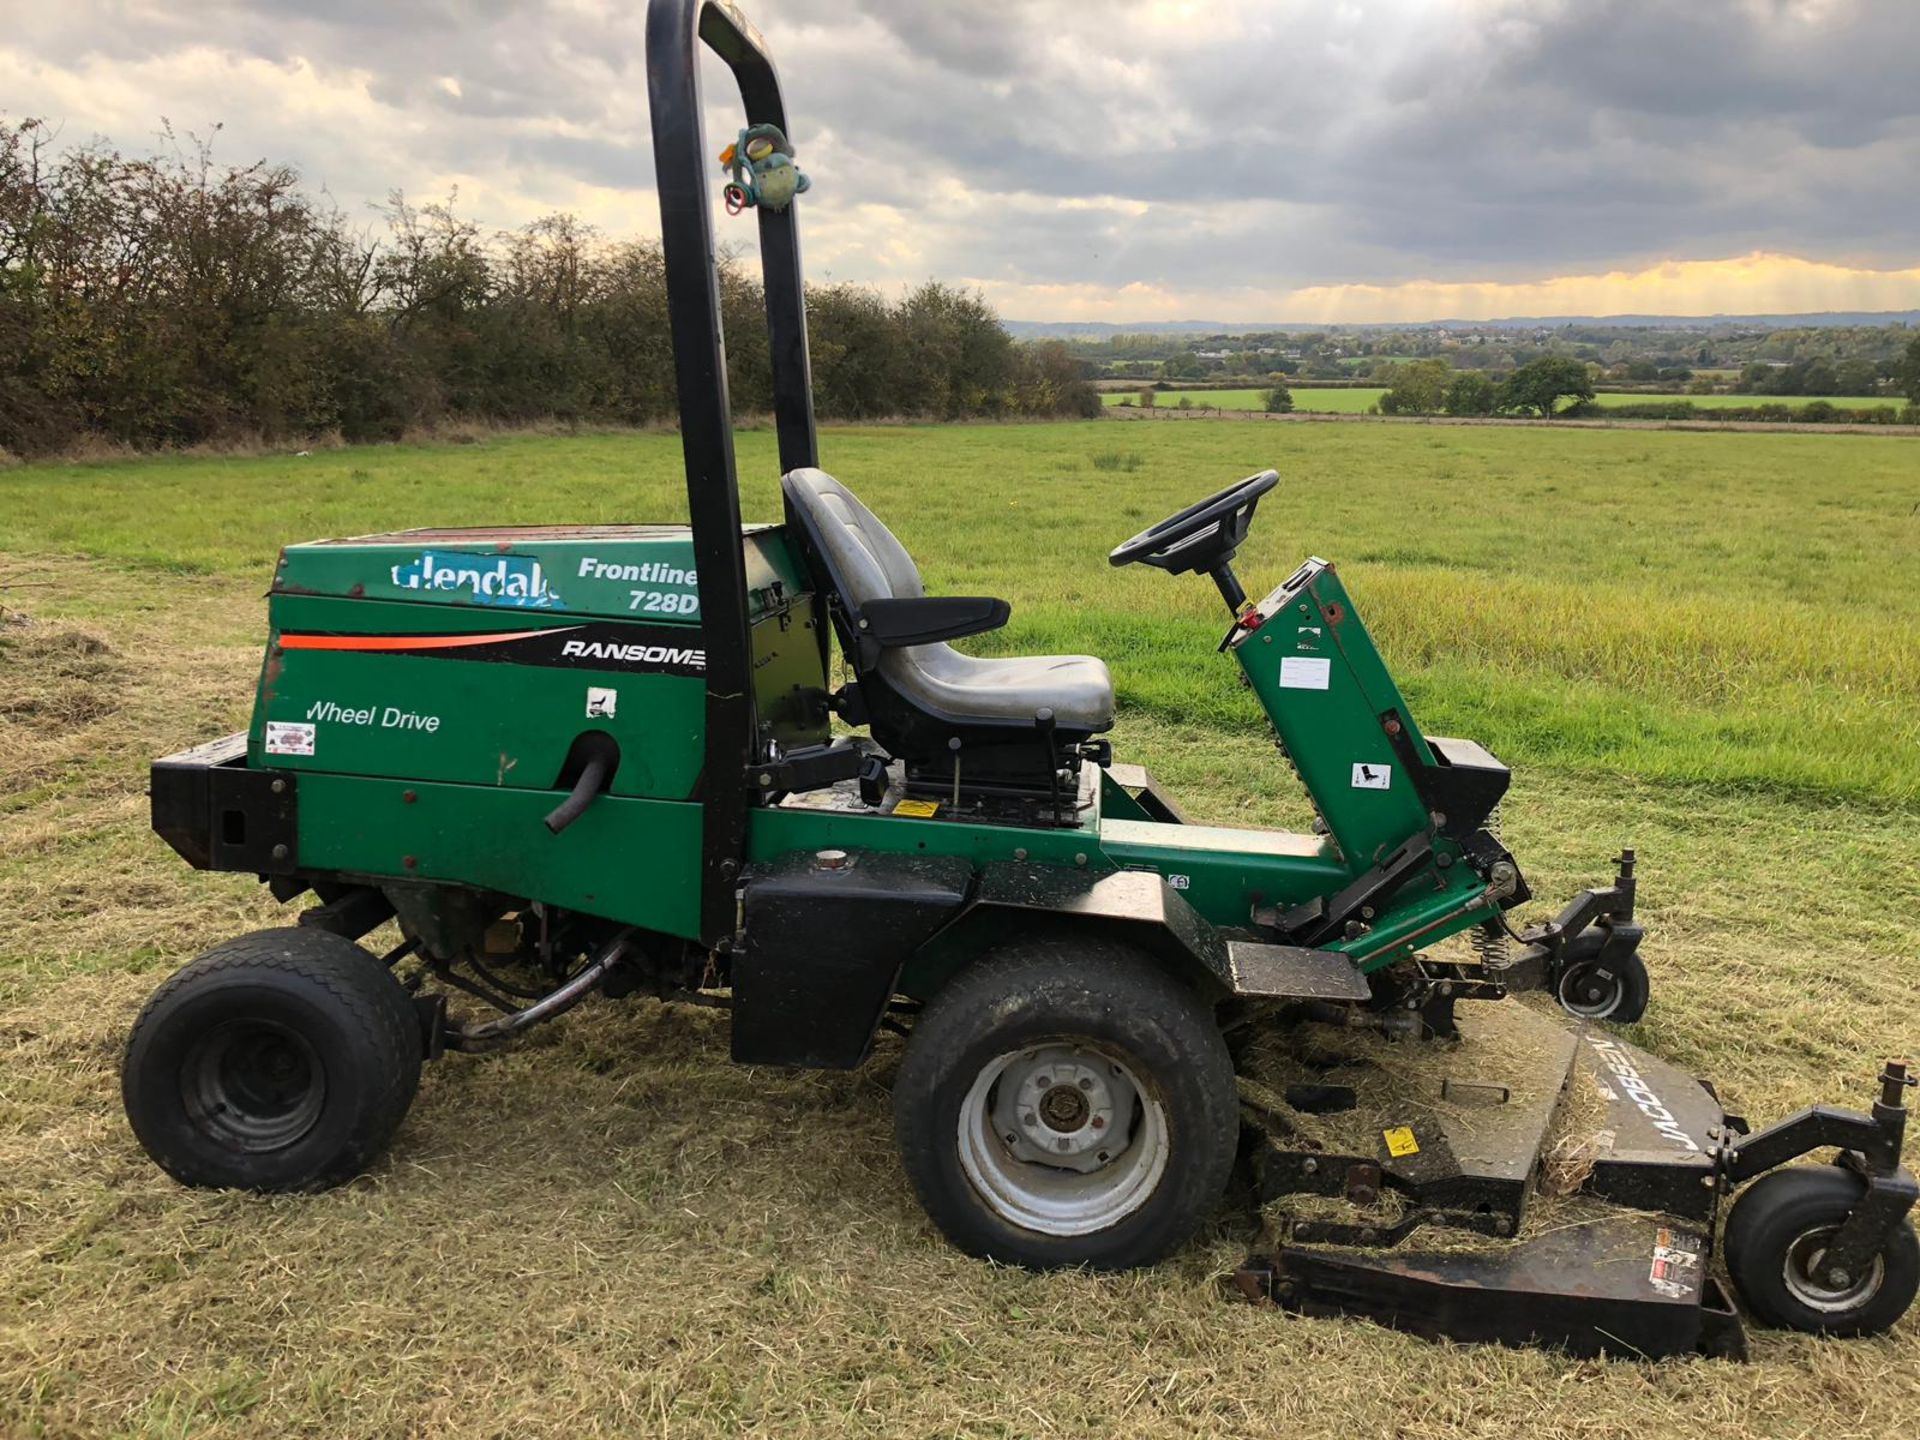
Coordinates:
<point>1101,329</point>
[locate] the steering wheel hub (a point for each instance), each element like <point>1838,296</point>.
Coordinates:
<point>1204,537</point>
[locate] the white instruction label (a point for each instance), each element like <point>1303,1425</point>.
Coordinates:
<point>289,737</point>
<point>1368,776</point>
<point>1305,672</point>
<point>601,702</point>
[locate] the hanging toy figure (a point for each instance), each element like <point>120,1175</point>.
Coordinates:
<point>761,163</point>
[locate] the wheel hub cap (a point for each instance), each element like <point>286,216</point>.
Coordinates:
<point>253,1085</point>
<point>1062,1138</point>
<point>1840,1291</point>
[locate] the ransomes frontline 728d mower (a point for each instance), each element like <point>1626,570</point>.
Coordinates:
<point>562,760</point>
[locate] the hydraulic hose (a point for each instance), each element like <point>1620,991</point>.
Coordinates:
<point>593,779</point>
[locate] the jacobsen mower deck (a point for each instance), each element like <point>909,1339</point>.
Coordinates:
<point>558,760</point>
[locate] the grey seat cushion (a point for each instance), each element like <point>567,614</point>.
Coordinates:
<point>870,564</point>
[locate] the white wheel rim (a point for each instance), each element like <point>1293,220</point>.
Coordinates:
<point>1062,1138</point>
<point>1802,1261</point>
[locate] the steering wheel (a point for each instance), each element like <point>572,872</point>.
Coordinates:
<point>1204,536</point>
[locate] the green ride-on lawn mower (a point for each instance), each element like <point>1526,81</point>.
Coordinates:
<point>572,759</point>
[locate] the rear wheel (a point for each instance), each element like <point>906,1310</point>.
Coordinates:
<point>281,1060</point>
<point>1777,1237</point>
<point>1067,1103</point>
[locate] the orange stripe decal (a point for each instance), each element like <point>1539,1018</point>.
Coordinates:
<point>411,642</point>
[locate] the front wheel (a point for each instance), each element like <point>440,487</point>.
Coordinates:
<point>1777,1237</point>
<point>1067,1103</point>
<point>1595,987</point>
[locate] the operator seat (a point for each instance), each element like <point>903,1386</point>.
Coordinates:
<point>1010,716</point>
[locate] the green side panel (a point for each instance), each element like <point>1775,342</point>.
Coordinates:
<point>641,572</point>
<point>433,717</point>
<point>1323,686</point>
<point>1225,873</point>
<point>635,861</point>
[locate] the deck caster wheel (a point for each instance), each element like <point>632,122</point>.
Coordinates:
<point>1777,1236</point>
<point>1067,1103</point>
<point>1597,988</point>
<point>281,1060</point>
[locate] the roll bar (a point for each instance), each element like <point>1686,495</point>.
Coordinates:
<point>683,175</point>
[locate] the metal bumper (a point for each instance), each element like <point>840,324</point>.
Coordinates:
<point>218,814</point>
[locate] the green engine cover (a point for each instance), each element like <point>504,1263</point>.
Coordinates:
<point>479,657</point>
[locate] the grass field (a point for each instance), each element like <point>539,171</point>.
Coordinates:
<point>1330,400</point>
<point>1704,644</point>
<point>1356,400</point>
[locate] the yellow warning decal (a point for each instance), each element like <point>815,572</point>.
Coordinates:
<point>917,809</point>
<point>1400,1141</point>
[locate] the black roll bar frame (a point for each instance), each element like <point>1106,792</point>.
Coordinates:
<point>675,31</point>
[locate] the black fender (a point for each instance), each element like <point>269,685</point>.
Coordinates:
<point>1136,907</point>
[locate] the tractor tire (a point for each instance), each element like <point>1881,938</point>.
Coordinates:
<point>1090,1055</point>
<point>1593,989</point>
<point>280,1060</point>
<point>1774,1239</point>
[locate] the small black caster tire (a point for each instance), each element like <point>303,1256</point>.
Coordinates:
<point>1774,1239</point>
<point>1592,988</point>
<point>1067,1102</point>
<point>281,1060</point>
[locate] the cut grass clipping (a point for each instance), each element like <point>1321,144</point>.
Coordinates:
<point>1703,645</point>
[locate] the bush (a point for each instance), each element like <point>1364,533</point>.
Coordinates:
<point>256,311</point>
<point>1470,392</point>
<point>1416,388</point>
<point>1186,403</point>
<point>1277,401</point>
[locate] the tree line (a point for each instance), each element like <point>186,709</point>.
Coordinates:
<point>1433,387</point>
<point>164,299</point>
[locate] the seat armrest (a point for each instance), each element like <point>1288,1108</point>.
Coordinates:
<point>889,624</point>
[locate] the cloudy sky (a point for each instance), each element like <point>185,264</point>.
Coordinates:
<point>1113,159</point>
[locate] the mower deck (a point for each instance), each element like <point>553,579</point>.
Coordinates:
<point>1477,1187</point>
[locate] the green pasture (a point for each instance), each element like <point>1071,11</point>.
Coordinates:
<point>1357,400</point>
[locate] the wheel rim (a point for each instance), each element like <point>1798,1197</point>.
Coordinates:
<point>1592,992</point>
<point>254,1085</point>
<point>1802,1263</point>
<point>1062,1138</point>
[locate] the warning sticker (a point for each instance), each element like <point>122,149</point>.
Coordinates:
<point>917,809</point>
<point>1368,776</point>
<point>289,737</point>
<point>1675,1271</point>
<point>1400,1141</point>
<point>602,702</point>
<point>1305,672</point>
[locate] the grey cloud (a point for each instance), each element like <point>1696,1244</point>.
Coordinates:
<point>1276,144</point>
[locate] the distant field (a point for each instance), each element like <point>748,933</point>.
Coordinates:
<point>1337,400</point>
<point>1728,402</point>
<point>1334,400</point>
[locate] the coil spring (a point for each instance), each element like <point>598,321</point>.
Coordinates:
<point>1489,941</point>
